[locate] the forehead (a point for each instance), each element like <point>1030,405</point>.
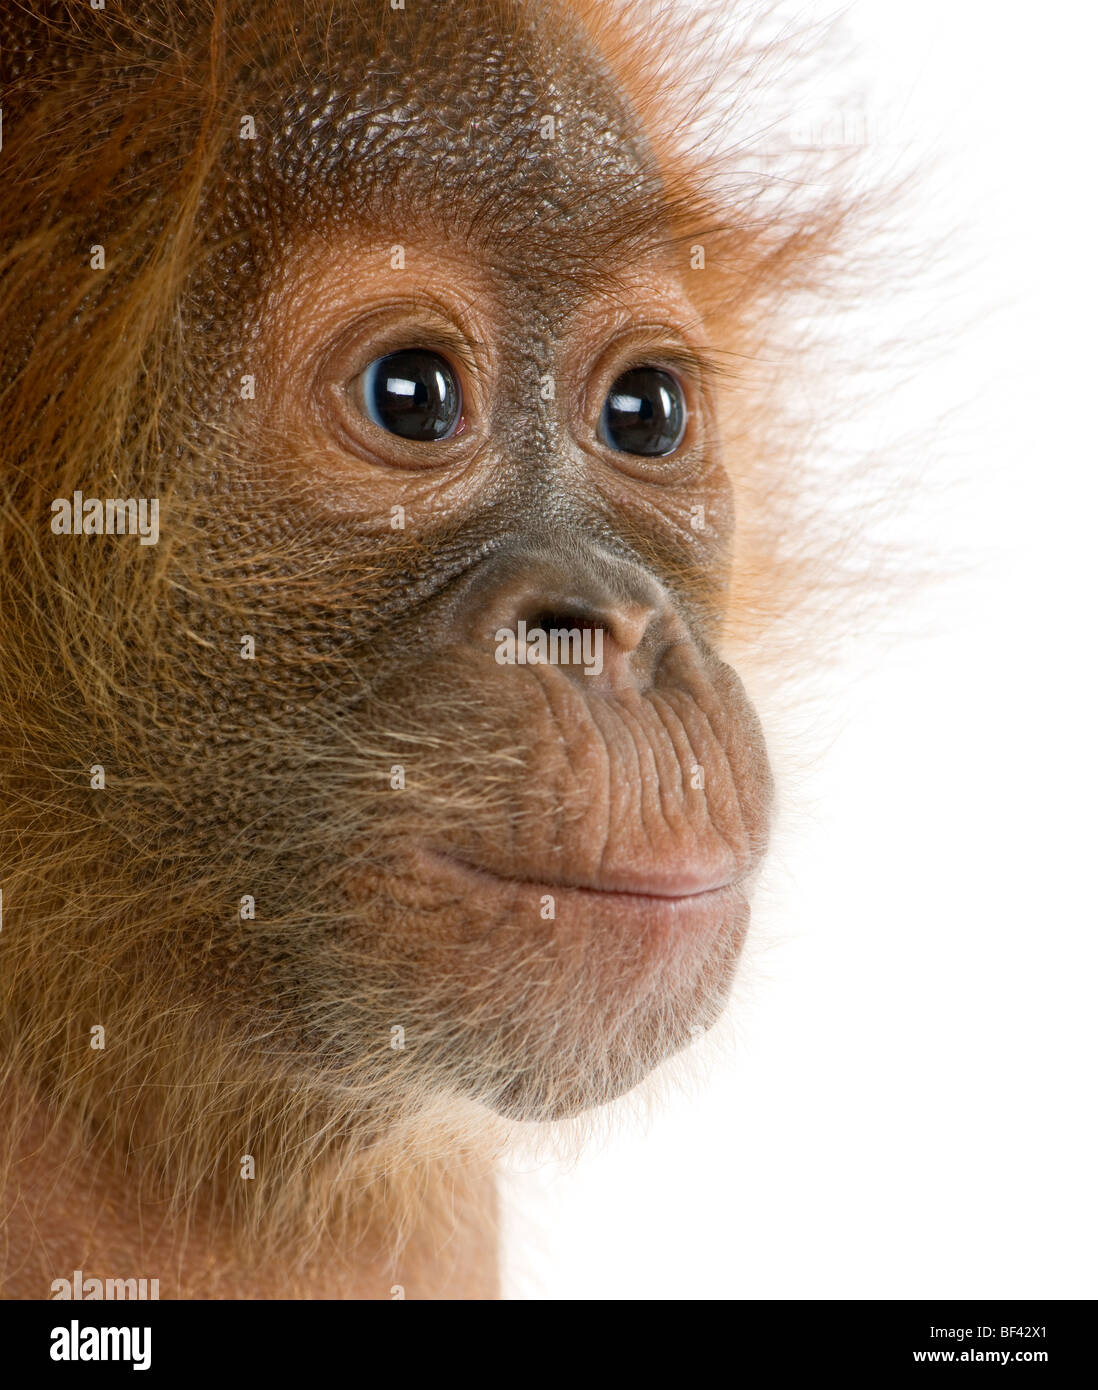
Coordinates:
<point>497,124</point>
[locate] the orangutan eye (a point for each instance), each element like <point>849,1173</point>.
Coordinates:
<point>645,413</point>
<point>413,393</point>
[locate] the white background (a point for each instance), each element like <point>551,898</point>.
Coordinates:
<point>904,1101</point>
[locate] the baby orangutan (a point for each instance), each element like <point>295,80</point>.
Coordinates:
<point>390,790</point>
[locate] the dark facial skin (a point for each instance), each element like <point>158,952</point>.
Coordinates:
<point>636,800</point>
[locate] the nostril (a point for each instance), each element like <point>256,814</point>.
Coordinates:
<point>623,623</point>
<point>533,598</point>
<point>550,619</point>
